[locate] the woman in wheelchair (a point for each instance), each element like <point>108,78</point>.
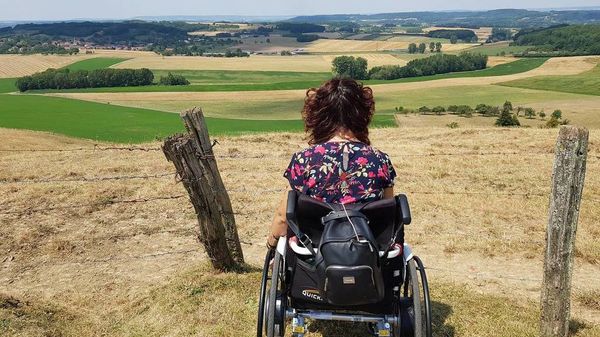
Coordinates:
<point>337,237</point>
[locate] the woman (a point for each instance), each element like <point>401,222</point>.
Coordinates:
<point>340,166</point>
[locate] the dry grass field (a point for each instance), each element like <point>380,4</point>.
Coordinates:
<point>315,63</point>
<point>78,262</point>
<point>348,46</point>
<point>21,65</point>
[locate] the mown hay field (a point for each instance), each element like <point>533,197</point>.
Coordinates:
<point>21,65</point>
<point>347,46</point>
<point>77,261</point>
<point>302,63</point>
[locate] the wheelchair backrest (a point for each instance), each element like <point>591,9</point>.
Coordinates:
<point>385,216</point>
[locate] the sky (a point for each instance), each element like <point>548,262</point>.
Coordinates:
<point>11,10</point>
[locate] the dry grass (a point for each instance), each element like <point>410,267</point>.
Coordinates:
<point>344,46</point>
<point>106,263</point>
<point>21,65</point>
<point>316,63</point>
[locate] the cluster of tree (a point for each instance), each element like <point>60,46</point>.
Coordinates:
<point>23,44</point>
<point>500,34</point>
<point>300,28</point>
<point>307,37</point>
<point>454,35</point>
<point>561,40</point>
<point>198,47</point>
<point>433,47</point>
<point>506,114</point>
<point>286,53</point>
<point>343,27</point>
<point>350,66</point>
<point>66,79</point>
<point>436,64</point>
<point>171,79</point>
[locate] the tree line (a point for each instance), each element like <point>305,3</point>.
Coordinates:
<point>437,64</point>
<point>67,79</point>
<point>454,35</point>
<point>562,40</point>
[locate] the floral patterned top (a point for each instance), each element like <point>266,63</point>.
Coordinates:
<point>341,172</point>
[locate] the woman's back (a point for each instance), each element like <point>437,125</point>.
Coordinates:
<point>341,172</point>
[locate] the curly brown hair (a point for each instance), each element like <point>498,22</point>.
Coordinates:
<point>338,104</point>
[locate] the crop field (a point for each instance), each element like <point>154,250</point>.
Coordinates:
<point>585,83</point>
<point>95,63</point>
<point>492,49</point>
<point>348,46</point>
<point>300,63</point>
<point>21,65</point>
<point>137,269</point>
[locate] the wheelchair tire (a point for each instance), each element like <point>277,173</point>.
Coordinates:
<point>275,320</point>
<point>409,312</point>
<point>263,294</point>
<point>426,300</point>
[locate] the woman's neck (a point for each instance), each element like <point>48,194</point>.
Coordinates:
<point>343,137</point>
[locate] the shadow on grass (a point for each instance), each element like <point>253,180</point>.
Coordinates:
<point>575,325</point>
<point>439,314</point>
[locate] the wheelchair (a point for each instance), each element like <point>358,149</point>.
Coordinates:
<point>294,287</point>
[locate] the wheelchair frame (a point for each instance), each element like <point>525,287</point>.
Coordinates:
<point>412,314</point>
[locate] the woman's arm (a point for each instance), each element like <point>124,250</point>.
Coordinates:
<point>279,224</point>
<point>388,193</point>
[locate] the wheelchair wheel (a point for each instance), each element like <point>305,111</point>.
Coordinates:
<point>266,277</point>
<point>276,300</point>
<point>426,307</point>
<point>409,310</point>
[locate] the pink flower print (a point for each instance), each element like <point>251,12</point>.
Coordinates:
<point>371,174</point>
<point>382,172</point>
<point>362,161</point>
<point>320,149</point>
<point>311,182</point>
<point>307,153</point>
<point>298,170</point>
<point>347,199</point>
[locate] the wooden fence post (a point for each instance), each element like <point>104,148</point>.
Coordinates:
<point>567,186</point>
<point>195,163</point>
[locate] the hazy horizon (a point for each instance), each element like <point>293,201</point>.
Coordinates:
<point>40,10</point>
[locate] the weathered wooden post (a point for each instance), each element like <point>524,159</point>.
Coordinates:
<point>195,163</point>
<point>567,186</point>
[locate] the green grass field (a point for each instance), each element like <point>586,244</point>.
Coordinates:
<point>587,83</point>
<point>7,85</point>
<point>106,122</point>
<point>261,81</point>
<point>95,63</point>
<point>470,95</point>
<point>497,48</point>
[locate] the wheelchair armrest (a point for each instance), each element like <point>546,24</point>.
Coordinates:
<point>403,209</point>
<point>290,212</point>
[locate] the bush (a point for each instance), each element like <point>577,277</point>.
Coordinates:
<point>171,79</point>
<point>507,119</point>
<point>529,112</point>
<point>286,53</point>
<point>452,108</point>
<point>452,125</point>
<point>349,66</point>
<point>424,109</point>
<point>542,115</point>
<point>438,109</point>
<point>464,110</point>
<point>556,114</point>
<point>307,38</point>
<point>552,122</point>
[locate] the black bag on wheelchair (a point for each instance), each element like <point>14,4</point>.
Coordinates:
<point>349,265</point>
